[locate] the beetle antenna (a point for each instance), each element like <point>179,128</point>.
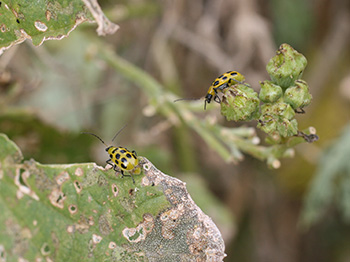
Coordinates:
<point>118,132</point>
<point>95,136</point>
<point>180,99</point>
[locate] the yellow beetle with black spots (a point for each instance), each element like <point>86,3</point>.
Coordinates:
<point>121,157</point>
<point>219,84</point>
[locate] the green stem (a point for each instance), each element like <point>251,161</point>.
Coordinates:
<point>219,138</point>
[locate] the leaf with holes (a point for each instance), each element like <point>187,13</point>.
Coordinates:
<point>42,20</point>
<point>86,212</point>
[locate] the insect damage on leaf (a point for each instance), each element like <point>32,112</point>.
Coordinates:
<point>103,216</point>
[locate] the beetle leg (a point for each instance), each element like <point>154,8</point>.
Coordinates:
<point>123,175</point>
<point>231,80</point>
<point>133,181</point>
<point>109,162</point>
<point>222,87</point>
<point>238,82</point>
<point>216,97</point>
<point>115,168</point>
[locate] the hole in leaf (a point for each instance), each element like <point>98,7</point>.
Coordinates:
<point>77,184</point>
<point>45,249</point>
<point>20,179</point>
<point>60,197</point>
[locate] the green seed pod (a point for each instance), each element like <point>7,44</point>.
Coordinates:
<point>268,124</point>
<point>287,128</point>
<point>278,127</point>
<point>277,120</point>
<point>286,111</point>
<point>298,96</point>
<point>269,92</point>
<point>240,103</point>
<point>278,110</point>
<point>286,66</point>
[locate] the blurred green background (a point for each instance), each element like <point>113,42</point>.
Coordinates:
<point>300,212</point>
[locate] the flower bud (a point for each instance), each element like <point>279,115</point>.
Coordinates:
<point>269,92</point>
<point>287,128</point>
<point>240,103</point>
<point>277,120</point>
<point>286,66</point>
<point>298,96</point>
<point>279,110</point>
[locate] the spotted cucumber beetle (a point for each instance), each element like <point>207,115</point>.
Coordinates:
<point>121,157</point>
<point>219,84</point>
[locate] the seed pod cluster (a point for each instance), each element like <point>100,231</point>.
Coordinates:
<point>282,96</point>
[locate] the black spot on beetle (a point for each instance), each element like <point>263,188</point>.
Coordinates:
<point>115,149</point>
<point>233,74</point>
<point>117,162</point>
<point>111,156</point>
<point>128,155</point>
<point>224,78</point>
<point>123,166</point>
<point>124,160</point>
<point>117,156</point>
<point>216,83</point>
<point>122,151</point>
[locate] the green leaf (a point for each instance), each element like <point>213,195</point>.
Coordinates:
<point>83,212</point>
<point>39,20</point>
<point>42,20</point>
<point>331,183</point>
